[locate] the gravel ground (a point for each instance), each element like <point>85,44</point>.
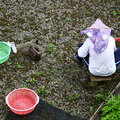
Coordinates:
<point>56,24</point>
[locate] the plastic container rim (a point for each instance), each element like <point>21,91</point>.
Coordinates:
<point>6,99</point>
<point>8,52</point>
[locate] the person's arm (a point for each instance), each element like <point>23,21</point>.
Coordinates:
<point>84,49</point>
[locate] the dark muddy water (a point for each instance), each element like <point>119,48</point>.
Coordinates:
<point>56,24</point>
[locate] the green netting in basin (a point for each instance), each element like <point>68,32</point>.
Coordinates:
<point>4,52</point>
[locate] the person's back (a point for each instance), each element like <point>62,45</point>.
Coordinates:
<point>100,64</point>
<point>99,51</point>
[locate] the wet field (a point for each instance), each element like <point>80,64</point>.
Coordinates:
<point>56,24</point>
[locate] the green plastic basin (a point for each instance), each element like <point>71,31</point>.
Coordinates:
<point>4,52</point>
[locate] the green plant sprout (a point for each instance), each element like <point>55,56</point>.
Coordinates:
<point>51,48</point>
<point>69,111</point>
<point>100,97</point>
<point>27,75</point>
<point>43,73</point>
<point>38,74</point>
<point>22,17</point>
<point>19,66</point>
<point>74,69</point>
<point>16,24</point>
<point>77,34</point>
<point>55,71</point>
<point>58,82</point>
<point>61,35</point>
<point>75,88</point>
<point>43,91</point>
<point>74,97</point>
<point>91,84</point>
<point>51,77</point>
<point>67,19</point>
<point>67,70</point>
<point>9,63</point>
<point>25,86</point>
<point>70,98</point>
<point>33,81</point>
<point>91,109</point>
<point>60,55</point>
<point>77,96</point>
<point>27,81</point>
<point>6,27</point>
<point>51,103</point>
<point>68,58</point>
<point>114,13</point>
<point>85,12</point>
<point>12,78</point>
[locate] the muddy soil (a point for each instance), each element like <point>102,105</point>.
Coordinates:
<point>56,24</point>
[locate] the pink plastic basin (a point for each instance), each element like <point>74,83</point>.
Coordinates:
<point>22,101</point>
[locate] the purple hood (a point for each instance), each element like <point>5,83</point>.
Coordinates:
<point>99,34</point>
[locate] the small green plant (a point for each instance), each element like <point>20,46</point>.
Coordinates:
<point>61,35</point>
<point>74,97</point>
<point>27,81</point>
<point>27,75</point>
<point>77,34</point>
<point>67,58</point>
<point>58,82</point>
<point>60,55</point>
<point>75,88</point>
<point>55,71</point>
<point>22,17</point>
<point>52,77</point>
<point>43,73</point>
<point>114,13</point>
<point>111,110</point>
<point>19,66</point>
<point>67,70</point>
<point>67,19</point>
<point>51,48</point>
<point>33,80</point>
<point>25,86</point>
<point>111,6</point>
<point>16,24</point>
<point>85,12</point>
<point>38,74</point>
<point>91,109</point>
<point>100,96</point>
<point>51,103</point>
<point>9,63</point>
<point>12,78</point>
<point>69,111</point>
<point>74,68</point>
<point>91,84</point>
<point>70,98</point>
<point>43,91</point>
<point>6,27</point>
